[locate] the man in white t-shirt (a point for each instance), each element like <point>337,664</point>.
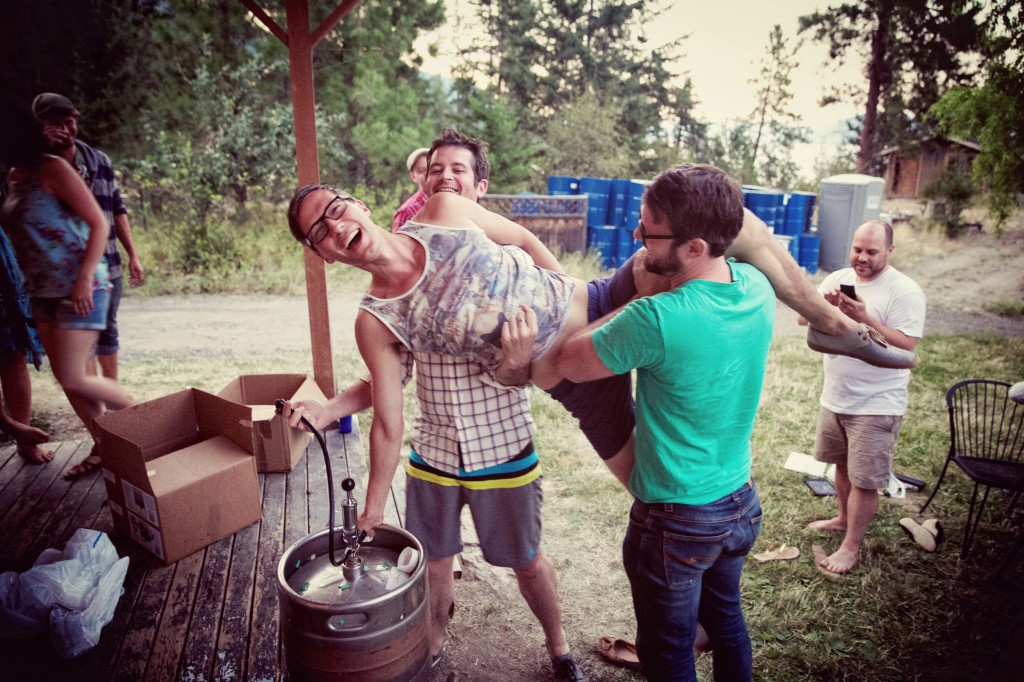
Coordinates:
<point>862,406</point>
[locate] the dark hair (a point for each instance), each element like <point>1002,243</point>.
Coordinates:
<point>450,137</point>
<point>295,205</point>
<point>697,200</point>
<point>21,136</point>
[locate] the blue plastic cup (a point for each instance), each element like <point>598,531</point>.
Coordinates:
<point>345,424</point>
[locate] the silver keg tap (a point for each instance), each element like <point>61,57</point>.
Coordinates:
<point>350,531</point>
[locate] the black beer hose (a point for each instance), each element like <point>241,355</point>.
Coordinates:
<point>348,484</point>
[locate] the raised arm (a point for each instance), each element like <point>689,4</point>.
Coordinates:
<point>380,351</point>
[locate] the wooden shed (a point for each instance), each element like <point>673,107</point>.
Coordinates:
<point>908,172</point>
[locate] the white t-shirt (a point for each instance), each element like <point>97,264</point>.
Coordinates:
<point>853,386</point>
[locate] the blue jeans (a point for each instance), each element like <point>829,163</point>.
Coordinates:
<point>684,564</point>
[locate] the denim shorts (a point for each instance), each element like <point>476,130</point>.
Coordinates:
<point>60,312</point>
<point>108,344</point>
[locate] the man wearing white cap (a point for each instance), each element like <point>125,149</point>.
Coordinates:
<point>417,165</point>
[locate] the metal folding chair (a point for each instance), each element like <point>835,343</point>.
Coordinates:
<point>986,431</point>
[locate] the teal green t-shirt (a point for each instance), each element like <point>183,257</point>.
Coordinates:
<point>700,352</point>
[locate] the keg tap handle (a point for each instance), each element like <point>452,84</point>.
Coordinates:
<point>349,526</point>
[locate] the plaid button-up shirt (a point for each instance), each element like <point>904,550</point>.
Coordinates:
<point>465,418</point>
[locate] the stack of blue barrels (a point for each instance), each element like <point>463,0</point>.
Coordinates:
<point>788,216</point>
<point>613,211</point>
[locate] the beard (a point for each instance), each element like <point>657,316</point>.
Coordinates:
<point>666,265</point>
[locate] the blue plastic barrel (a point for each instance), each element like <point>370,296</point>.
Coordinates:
<point>562,185</point>
<point>603,239</point>
<point>799,206</point>
<point>625,245</point>
<point>618,195</point>
<point>762,203</point>
<point>810,249</point>
<point>596,190</point>
<point>634,197</point>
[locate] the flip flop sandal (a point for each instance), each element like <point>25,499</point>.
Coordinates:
<point>618,652</point>
<point>918,533</point>
<point>83,468</point>
<point>782,553</point>
<point>935,528</point>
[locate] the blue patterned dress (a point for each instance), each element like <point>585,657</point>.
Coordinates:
<point>17,331</point>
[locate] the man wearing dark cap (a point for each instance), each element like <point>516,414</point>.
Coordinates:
<point>59,118</point>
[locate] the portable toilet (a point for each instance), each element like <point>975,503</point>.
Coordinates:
<point>846,202</point>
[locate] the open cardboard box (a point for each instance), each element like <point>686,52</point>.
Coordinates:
<point>277,446</point>
<point>177,473</point>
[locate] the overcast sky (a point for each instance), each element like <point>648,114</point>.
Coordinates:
<point>727,41</point>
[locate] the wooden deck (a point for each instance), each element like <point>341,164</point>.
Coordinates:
<point>210,616</point>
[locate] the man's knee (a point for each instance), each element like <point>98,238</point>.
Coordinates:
<point>538,568</point>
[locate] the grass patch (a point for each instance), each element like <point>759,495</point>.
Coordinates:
<point>1006,308</point>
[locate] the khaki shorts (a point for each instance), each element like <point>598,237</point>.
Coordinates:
<point>863,442</point>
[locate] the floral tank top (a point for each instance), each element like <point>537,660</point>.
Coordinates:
<point>49,239</point>
<point>470,285</point>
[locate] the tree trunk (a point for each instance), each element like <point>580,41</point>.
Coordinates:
<point>878,76</point>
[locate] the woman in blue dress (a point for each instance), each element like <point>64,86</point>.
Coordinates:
<point>59,234</point>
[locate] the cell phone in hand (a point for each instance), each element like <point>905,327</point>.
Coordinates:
<point>848,290</point>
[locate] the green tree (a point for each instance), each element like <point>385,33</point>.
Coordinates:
<point>366,71</point>
<point>914,50</point>
<point>773,121</point>
<point>993,113</point>
<point>588,119</point>
<point>548,55</point>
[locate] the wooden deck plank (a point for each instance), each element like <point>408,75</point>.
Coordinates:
<point>200,650</point>
<point>170,636</point>
<point>264,642</point>
<point>296,519</point>
<point>10,464</point>
<point>46,522</point>
<point>23,493</point>
<point>232,643</point>
<point>131,660</point>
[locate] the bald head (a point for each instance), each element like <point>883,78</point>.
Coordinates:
<point>871,248</point>
<point>873,225</point>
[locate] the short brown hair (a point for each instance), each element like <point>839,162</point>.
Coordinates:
<point>295,205</point>
<point>450,137</point>
<point>697,200</point>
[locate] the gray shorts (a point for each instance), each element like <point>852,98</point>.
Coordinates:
<point>863,442</point>
<point>507,520</point>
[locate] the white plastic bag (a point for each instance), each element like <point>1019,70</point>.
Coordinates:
<point>75,592</point>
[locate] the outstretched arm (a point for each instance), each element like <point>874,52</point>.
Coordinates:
<point>379,349</point>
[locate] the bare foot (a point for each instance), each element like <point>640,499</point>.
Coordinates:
<point>840,562</point>
<point>834,525</point>
<point>34,453</point>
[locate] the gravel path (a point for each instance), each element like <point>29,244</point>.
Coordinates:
<point>224,326</point>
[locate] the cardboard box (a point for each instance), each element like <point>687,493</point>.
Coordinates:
<point>277,446</point>
<point>177,473</point>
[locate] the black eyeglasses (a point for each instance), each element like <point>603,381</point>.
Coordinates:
<point>644,236</point>
<point>318,231</point>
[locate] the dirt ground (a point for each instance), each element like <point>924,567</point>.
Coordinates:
<point>959,278</point>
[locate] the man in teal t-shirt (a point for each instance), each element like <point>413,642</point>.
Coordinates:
<point>700,351</point>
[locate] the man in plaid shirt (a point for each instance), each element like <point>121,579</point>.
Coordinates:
<point>472,443</point>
